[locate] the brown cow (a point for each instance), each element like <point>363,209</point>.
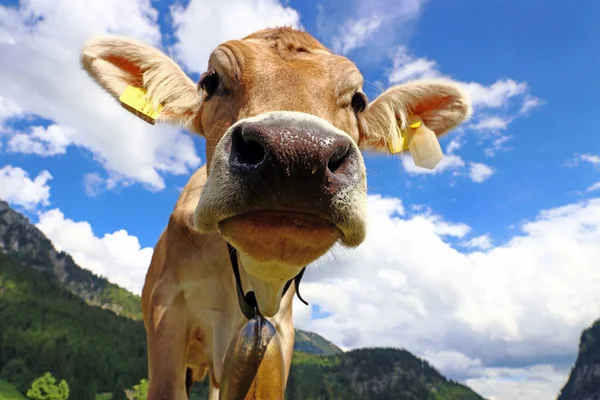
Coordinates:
<point>284,121</point>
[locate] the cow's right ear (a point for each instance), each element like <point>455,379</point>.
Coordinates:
<point>127,69</point>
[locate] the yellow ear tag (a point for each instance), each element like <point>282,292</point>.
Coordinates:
<point>134,100</point>
<point>403,141</point>
<point>424,145</point>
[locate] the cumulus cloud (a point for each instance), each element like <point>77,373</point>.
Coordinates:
<point>405,67</point>
<point>355,33</point>
<point>17,188</point>
<point>520,304</point>
<point>43,141</point>
<point>482,242</point>
<point>40,75</point>
<point>586,159</point>
<point>117,255</point>
<point>591,159</point>
<point>594,187</point>
<point>360,24</point>
<point>448,163</point>
<point>199,26</point>
<point>498,144</point>
<point>491,124</point>
<point>535,382</point>
<point>479,172</point>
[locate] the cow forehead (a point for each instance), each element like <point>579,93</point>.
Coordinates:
<point>286,58</point>
<point>286,75</point>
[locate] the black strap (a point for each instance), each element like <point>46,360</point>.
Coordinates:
<point>247,302</point>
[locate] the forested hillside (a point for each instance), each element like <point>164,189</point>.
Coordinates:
<point>371,374</point>
<point>24,242</point>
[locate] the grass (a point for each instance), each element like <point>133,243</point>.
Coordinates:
<point>8,392</point>
<point>103,396</point>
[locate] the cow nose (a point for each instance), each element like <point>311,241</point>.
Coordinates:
<point>309,154</point>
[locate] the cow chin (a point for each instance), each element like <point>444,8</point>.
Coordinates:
<point>288,239</point>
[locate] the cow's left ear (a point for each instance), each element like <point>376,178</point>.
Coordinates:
<point>146,81</point>
<point>441,104</point>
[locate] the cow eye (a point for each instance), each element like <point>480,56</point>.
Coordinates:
<point>359,102</point>
<point>209,82</point>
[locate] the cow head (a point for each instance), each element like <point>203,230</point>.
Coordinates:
<point>285,121</point>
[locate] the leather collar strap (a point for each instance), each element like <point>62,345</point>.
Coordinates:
<point>247,302</point>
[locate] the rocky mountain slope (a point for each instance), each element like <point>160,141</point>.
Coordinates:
<point>584,379</point>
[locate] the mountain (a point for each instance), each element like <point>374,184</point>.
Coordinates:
<point>312,343</point>
<point>584,379</point>
<point>374,373</point>
<point>60,318</point>
<point>24,242</point>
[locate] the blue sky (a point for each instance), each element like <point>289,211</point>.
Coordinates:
<point>531,146</point>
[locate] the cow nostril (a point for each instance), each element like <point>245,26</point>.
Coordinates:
<point>248,151</point>
<point>337,158</point>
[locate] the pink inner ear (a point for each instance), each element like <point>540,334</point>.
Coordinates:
<point>135,73</point>
<point>430,105</point>
<point>437,112</point>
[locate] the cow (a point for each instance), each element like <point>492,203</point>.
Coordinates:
<point>285,122</point>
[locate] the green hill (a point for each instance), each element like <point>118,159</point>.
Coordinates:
<point>24,242</point>
<point>46,328</point>
<point>9,392</point>
<point>374,373</point>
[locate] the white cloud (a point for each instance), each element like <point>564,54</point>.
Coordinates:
<point>448,163</point>
<point>355,33</point>
<point>530,103</point>
<point>454,145</point>
<point>8,108</point>
<point>590,158</point>
<point>117,256</point>
<point>17,188</point>
<point>406,68</point>
<point>375,24</point>
<point>535,382</point>
<point>43,141</point>
<point>204,24</point>
<point>498,144</point>
<point>94,184</point>
<point>491,124</point>
<point>479,172</point>
<point>516,305</point>
<point>594,187</point>
<point>40,74</point>
<point>495,95</point>
<point>482,242</point>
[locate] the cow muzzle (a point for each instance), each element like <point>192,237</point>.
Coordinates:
<point>284,187</point>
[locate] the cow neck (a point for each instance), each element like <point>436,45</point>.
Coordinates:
<point>247,302</point>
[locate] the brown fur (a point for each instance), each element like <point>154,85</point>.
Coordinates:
<point>189,301</point>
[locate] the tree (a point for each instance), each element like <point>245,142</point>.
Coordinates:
<point>140,391</point>
<point>16,372</point>
<point>119,391</point>
<point>45,388</point>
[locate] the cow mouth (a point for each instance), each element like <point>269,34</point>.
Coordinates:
<point>283,237</point>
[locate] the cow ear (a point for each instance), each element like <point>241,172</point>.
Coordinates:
<point>146,81</point>
<point>442,105</point>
